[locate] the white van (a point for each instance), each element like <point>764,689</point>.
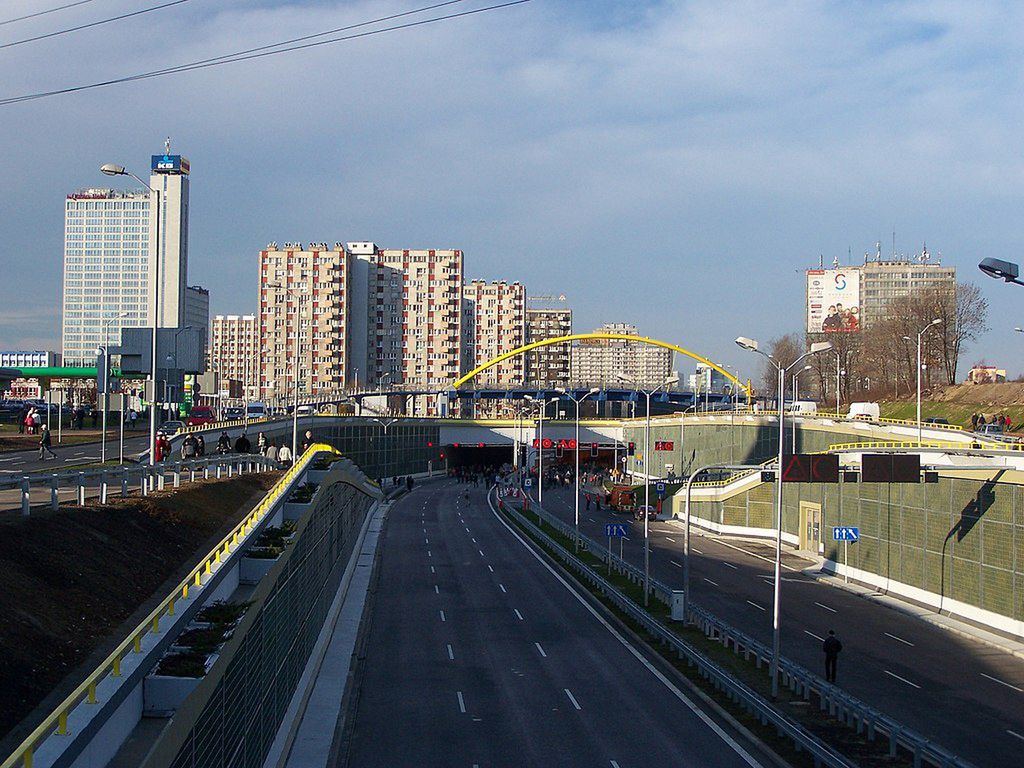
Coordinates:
<point>803,407</point>
<point>306,410</point>
<point>256,411</point>
<point>864,412</point>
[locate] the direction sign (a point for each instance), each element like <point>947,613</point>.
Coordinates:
<point>659,488</point>
<point>845,533</point>
<point>528,482</point>
<point>615,530</point>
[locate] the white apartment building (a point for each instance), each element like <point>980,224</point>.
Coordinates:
<point>549,366</point>
<point>110,260</point>
<point>600,362</point>
<point>235,352</point>
<point>493,323</point>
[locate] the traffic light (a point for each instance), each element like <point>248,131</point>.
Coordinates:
<point>810,468</point>
<point>593,450</point>
<point>430,444</point>
<point>559,450</point>
<point>631,449</point>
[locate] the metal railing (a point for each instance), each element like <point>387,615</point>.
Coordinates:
<point>846,708</point>
<point>125,479</point>
<point>85,694</point>
<point>942,445</point>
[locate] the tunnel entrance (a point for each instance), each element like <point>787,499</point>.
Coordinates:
<point>477,455</point>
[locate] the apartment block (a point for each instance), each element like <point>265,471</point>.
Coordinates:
<point>235,352</point>
<point>303,334</point>
<point>600,362</point>
<point>493,323</point>
<point>549,366</point>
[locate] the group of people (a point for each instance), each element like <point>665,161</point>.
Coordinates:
<point>30,422</point>
<point>978,421</point>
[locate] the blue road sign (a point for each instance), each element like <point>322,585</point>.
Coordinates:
<point>845,533</point>
<point>615,530</point>
<point>659,488</point>
<point>528,482</point>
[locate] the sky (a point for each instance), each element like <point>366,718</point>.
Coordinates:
<point>675,165</point>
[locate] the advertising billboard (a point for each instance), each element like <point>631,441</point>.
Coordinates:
<point>833,300</point>
<point>169,164</point>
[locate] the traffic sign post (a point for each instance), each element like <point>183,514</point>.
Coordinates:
<point>846,534</point>
<point>614,531</point>
<point>659,488</point>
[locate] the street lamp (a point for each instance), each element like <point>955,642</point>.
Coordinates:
<point>1001,270</point>
<point>577,400</point>
<point>796,396</point>
<point>838,364</point>
<point>543,403</point>
<point>751,344</point>
<point>173,360</point>
<point>936,321</point>
<point>647,471</point>
<point>297,296</point>
<point>110,169</point>
<point>106,384</point>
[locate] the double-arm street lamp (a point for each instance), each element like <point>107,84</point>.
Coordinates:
<point>936,321</point>
<point>543,403</point>
<point>297,297</point>
<point>106,384</point>
<point>577,400</point>
<point>110,169</point>
<point>647,471</point>
<point>751,344</point>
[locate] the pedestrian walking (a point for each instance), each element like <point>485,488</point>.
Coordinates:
<point>242,444</point>
<point>132,416</point>
<point>271,450</point>
<point>95,417</point>
<point>974,422</point>
<point>22,423</point>
<point>308,442</point>
<point>831,647</point>
<point>200,446</point>
<point>44,444</point>
<point>261,444</point>
<point>37,420</point>
<point>285,455</point>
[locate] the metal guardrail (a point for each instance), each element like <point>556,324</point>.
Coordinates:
<point>839,704</point>
<point>144,476</point>
<point>943,445</point>
<point>57,721</point>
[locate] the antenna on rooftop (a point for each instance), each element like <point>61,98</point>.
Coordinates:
<point>167,145</point>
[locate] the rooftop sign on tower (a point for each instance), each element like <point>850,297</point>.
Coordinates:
<point>173,164</point>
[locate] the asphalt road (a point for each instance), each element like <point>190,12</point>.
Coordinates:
<point>479,655</point>
<point>18,462</point>
<point>966,695</point>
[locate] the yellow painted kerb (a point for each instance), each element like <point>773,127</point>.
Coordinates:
<point>609,336</point>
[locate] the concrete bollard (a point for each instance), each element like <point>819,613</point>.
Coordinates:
<point>54,498</point>
<point>218,470</point>
<point>206,471</point>
<point>103,487</point>
<point>124,482</point>
<point>26,501</point>
<point>160,478</point>
<point>81,489</point>
<point>177,475</point>
<point>144,482</point>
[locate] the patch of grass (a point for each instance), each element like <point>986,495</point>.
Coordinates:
<point>185,664</point>
<point>223,613</point>
<point>958,414</point>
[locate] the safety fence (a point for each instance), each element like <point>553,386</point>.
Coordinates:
<point>926,445</point>
<point>857,715</point>
<point>125,479</point>
<point>85,694</point>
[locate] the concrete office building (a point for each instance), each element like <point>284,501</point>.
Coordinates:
<point>196,314</point>
<point>235,353</point>
<point>493,323</point>
<point>600,362</point>
<point>110,260</point>
<point>549,366</point>
<point>883,282</point>
<point>303,297</point>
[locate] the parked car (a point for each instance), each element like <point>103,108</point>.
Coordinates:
<point>652,512</point>
<point>306,410</point>
<point>170,428</point>
<point>233,413</point>
<point>936,420</point>
<point>256,411</point>
<point>997,433</point>
<point>201,414</point>
<point>803,407</point>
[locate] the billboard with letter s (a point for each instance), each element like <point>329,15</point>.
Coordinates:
<point>833,300</point>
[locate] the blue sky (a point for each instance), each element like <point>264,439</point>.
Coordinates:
<point>671,164</point>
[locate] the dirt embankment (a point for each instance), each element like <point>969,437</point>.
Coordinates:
<point>75,580</point>
<point>993,395</point>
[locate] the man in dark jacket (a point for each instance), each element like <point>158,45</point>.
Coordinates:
<point>831,647</point>
<point>242,444</point>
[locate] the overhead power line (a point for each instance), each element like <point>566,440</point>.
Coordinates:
<point>43,13</point>
<point>261,52</point>
<point>93,24</point>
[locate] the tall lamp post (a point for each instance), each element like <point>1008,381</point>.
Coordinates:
<point>647,471</point>
<point>106,384</point>
<point>577,400</point>
<point>796,396</point>
<point>110,169</point>
<point>751,344</point>
<point>297,296</point>
<point>936,321</point>
<point>173,360</point>
<point>543,403</point>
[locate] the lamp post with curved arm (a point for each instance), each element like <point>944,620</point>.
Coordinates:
<point>577,400</point>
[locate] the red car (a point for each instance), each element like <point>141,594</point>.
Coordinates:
<point>201,414</point>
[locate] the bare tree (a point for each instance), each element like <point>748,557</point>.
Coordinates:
<point>784,350</point>
<point>968,321</point>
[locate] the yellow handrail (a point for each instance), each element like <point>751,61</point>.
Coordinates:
<point>933,444</point>
<point>57,720</point>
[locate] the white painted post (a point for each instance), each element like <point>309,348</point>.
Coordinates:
<point>177,475</point>
<point>124,482</point>
<point>54,498</point>
<point>206,471</point>
<point>103,487</point>
<point>25,496</point>
<point>81,489</point>
<point>144,481</point>
<point>218,470</point>
<point>160,478</point>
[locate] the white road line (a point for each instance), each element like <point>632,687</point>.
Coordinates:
<point>428,553</point>
<point>729,565</point>
<point>712,583</point>
<point>902,679</point>
<point>751,602</point>
<point>699,552</point>
<point>655,672</point>
<point>1014,733</point>
<point>451,653</point>
<point>432,569</point>
<point>816,637</point>
<point>436,590</point>
<point>481,553</point>
<point>1002,682</point>
<point>905,642</point>
<point>442,615</point>
<point>462,703</point>
<point>474,540</point>
<point>677,565</point>
<point>572,698</point>
<point>489,568</point>
<point>541,650</point>
<point>467,529</point>
<point>667,538</point>
<point>822,605</point>
<point>614,764</point>
<point>502,588</point>
<point>518,614</point>
<point>426,540</point>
